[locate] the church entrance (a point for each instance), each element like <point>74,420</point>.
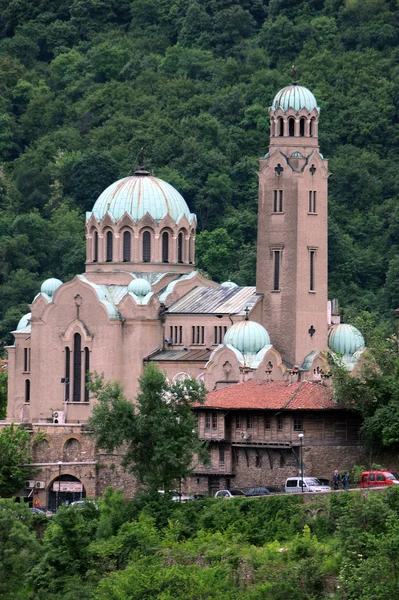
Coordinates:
<point>65,489</point>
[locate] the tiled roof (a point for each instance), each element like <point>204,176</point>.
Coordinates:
<point>211,300</point>
<point>274,395</point>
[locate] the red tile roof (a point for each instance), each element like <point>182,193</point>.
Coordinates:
<point>273,395</point>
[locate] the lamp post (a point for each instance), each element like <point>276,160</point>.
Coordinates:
<point>59,484</point>
<point>300,435</point>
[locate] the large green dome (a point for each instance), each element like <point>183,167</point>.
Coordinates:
<point>141,194</point>
<point>345,339</point>
<point>247,336</point>
<point>295,96</point>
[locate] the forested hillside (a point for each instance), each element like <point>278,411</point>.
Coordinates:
<point>85,84</point>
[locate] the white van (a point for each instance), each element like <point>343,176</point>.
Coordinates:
<point>310,484</point>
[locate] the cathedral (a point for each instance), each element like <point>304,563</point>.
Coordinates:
<point>260,351</point>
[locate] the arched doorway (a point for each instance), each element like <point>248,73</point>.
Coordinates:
<point>65,489</point>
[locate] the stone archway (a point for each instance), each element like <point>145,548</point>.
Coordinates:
<point>65,489</point>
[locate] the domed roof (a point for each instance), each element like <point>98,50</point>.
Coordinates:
<point>50,286</point>
<point>345,339</point>
<point>295,96</point>
<point>229,284</point>
<point>139,287</point>
<point>138,195</point>
<point>24,321</point>
<point>247,336</point>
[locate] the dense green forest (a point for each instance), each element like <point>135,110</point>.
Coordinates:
<point>340,546</point>
<point>84,84</point>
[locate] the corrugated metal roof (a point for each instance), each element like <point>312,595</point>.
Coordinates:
<point>185,355</point>
<point>211,300</point>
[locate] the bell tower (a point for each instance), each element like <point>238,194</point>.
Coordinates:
<point>292,228</point>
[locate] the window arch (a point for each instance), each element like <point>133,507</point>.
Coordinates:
<point>302,123</point>
<point>77,367</point>
<point>127,245</point>
<point>291,126</point>
<point>67,372</point>
<point>87,369</point>
<point>180,247</point>
<point>311,127</point>
<point>95,246</point>
<point>27,391</point>
<point>110,241</point>
<point>146,246</point>
<point>280,126</point>
<point>165,247</point>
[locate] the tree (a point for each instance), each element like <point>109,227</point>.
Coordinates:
<point>3,393</point>
<point>14,459</point>
<point>158,435</point>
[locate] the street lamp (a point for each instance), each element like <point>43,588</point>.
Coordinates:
<point>59,483</point>
<point>300,435</point>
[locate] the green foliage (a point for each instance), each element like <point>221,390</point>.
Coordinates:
<point>3,393</point>
<point>158,435</point>
<point>15,457</point>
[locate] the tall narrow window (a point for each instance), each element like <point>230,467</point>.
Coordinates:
<point>312,202</point>
<point>280,424</point>
<point>277,263</point>
<point>302,127</point>
<point>27,390</point>
<point>197,334</point>
<point>249,421</point>
<point>278,201</point>
<point>77,367</point>
<point>95,247</point>
<point>291,127</point>
<point>26,360</point>
<point>180,248</point>
<point>146,246</point>
<point>311,127</point>
<point>176,334</point>
<point>127,245</point>
<point>87,369</point>
<point>109,246</point>
<point>214,420</point>
<point>238,422</point>
<point>67,372</point>
<point>219,333</point>
<point>221,455</point>
<point>267,423</point>
<point>165,247</point>
<point>311,270</point>
<point>280,126</point>
<point>207,420</point>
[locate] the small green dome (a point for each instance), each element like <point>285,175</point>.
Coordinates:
<point>345,339</point>
<point>229,284</point>
<point>141,194</point>
<point>247,336</point>
<point>295,96</point>
<point>139,287</point>
<point>50,286</point>
<point>24,322</point>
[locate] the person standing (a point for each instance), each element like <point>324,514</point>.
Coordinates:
<point>336,479</point>
<point>345,480</point>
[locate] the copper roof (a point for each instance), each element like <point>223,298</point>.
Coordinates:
<point>274,395</point>
<point>211,300</point>
<point>182,355</point>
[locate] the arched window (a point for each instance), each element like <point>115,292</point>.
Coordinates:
<point>165,247</point>
<point>190,250</point>
<point>280,126</point>
<point>87,369</point>
<point>146,246</point>
<point>77,367</point>
<point>95,246</point>
<point>180,241</point>
<point>27,390</point>
<point>291,127</point>
<point>272,127</point>
<point>127,244</point>
<point>109,246</point>
<point>302,127</point>
<point>67,372</point>
<point>311,127</point>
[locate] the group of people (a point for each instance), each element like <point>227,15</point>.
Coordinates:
<point>341,479</point>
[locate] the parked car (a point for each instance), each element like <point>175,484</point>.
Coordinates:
<point>177,497</point>
<point>310,484</point>
<point>258,491</point>
<point>378,478</point>
<point>37,511</point>
<point>229,493</point>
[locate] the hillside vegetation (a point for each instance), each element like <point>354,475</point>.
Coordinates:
<point>340,546</point>
<point>84,84</point>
